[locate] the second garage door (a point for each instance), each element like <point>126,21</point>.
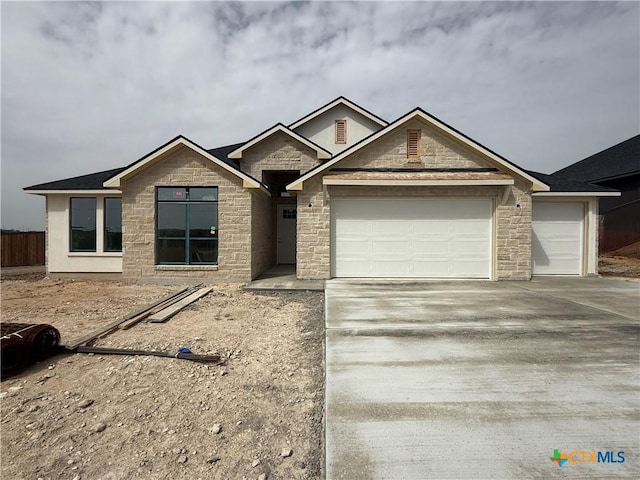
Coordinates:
<point>557,238</point>
<point>374,237</point>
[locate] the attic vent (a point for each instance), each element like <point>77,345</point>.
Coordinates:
<point>341,131</point>
<point>413,143</point>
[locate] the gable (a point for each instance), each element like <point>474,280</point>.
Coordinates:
<point>171,147</point>
<point>435,152</point>
<point>434,124</point>
<point>322,128</point>
<point>279,151</point>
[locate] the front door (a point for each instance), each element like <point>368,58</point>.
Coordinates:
<point>286,234</point>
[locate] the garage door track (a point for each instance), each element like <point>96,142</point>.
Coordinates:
<point>475,379</point>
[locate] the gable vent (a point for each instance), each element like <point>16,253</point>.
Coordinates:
<point>341,131</point>
<point>413,143</point>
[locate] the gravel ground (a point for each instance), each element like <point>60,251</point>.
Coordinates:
<point>118,417</point>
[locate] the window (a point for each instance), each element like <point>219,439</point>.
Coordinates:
<point>83,224</point>
<point>413,143</point>
<point>112,224</point>
<point>341,131</point>
<point>187,225</point>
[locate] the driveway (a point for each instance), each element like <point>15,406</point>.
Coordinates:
<point>474,379</point>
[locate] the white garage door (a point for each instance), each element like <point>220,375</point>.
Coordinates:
<point>373,237</point>
<point>557,238</point>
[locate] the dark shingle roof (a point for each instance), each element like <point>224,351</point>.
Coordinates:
<point>618,161</point>
<point>561,184</point>
<point>93,181</point>
<point>222,153</point>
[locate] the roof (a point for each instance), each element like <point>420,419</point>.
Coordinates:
<point>621,160</point>
<point>93,181</point>
<point>339,101</point>
<point>321,153</point>
<point>560,184</point>
<point>223,153</point>
<point>439,125</point>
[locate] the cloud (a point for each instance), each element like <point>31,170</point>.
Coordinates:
<point>93,86</point>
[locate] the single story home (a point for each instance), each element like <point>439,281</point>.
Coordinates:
<point>616,167</point>
<point>338,193</point>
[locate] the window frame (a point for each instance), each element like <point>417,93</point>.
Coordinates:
<point>95,225</point>
<point>105,243</point>
<point>187,225</point>
<point>340,141</point>
<point>418,133</point>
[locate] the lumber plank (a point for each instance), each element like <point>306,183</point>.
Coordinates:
<point>138,318</point>
<point>167,313</point>
<point>110,326</point>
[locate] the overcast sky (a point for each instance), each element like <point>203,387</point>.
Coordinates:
<point>93,86</point>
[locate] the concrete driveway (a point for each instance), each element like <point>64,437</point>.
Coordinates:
<point>474,379</point>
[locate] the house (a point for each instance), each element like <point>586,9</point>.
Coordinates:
<point>616,167</point>
<point>338,193</point>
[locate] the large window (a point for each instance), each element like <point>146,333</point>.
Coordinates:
<point>187,225</point>
<point>83,225</point>
<point>112,224</point>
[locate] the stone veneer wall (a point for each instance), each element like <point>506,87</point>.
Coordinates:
<point>437,151</point>
<point>512,222</point>
<point>185,168</point>
<point>262,236</point>
<point>278,152</point>
<point>513,235</point>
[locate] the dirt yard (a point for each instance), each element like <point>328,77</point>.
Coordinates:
<point>624,262</point>
<point>119,417</point>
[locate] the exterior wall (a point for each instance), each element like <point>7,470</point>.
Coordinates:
<point>513,235</point>
<point>185,168</point>
<point>437,151</point>
<point>313,240</point>
<point>59,258</point>
<point>321,130</point>
<point>278,152</point>
<point>512,221</point>
<point>262,235</point>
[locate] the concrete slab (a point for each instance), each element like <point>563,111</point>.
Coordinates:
<point>481,379</point>
<point>283,277</point>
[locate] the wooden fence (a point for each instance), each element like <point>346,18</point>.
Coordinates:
<point>22,249</point>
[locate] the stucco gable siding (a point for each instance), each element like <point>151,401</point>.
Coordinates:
<point>436,151</point>
<point>278,152</point>
<point>321,130</point>
<point>185,168</point>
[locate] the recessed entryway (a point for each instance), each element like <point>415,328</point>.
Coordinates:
<point>286,234</point>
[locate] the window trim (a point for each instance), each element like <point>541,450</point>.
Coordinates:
<point>95,220</point>
<point>410,133</point>
<point>104,225</point>
<point>187,238</point>
<point>343,140</point>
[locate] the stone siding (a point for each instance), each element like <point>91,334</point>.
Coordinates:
<point>436,150</point>
<point>278,152</point>
<point>262,237</point>
<point>513,235</point>
<point>185,168</point>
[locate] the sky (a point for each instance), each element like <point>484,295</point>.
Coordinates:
<point>87,87</point>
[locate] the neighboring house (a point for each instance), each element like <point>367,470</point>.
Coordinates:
<point>338,193</point>
<point>616,167</point>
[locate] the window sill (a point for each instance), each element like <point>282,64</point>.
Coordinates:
<point>94,254</point>
<point>188,268</point>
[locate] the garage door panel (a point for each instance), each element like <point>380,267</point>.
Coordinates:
<point>557,233</point>
<point>411,238</point>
